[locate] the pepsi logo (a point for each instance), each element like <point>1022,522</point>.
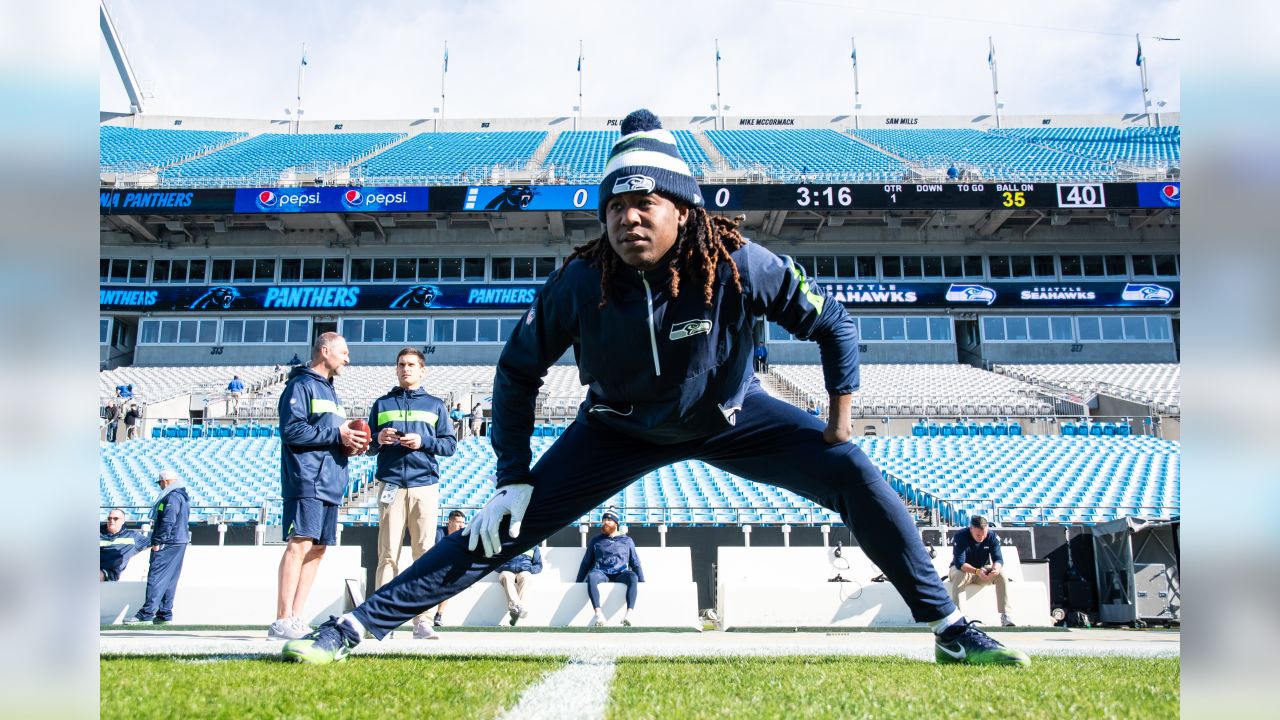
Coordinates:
<point>352,197</point>
<point>1171,192</point>
<point>267,198</point>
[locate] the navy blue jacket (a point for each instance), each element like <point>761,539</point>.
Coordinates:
<point>411,411</point>
<point>659,368</point>
<point>529,561</point>
<point>610,555</point>
<point>964,549</point>
<point>312,464</point>
<point>114,551</point>
<point>171,517</point>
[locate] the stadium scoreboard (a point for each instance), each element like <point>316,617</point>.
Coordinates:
<point>824,197</point>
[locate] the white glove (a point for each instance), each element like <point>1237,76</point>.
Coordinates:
<point>508,500</point>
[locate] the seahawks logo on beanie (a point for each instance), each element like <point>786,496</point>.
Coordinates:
<point>646,159</point>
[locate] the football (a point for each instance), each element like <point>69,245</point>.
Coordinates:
<point>363,426</point>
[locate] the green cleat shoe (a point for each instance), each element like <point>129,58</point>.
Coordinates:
<point>964,643</point>
<point>326,644</point>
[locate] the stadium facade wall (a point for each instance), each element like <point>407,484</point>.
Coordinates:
<point>1049,543</point>
<point>672,122</point>
<point>148,355</point>
<point>1109,352</point>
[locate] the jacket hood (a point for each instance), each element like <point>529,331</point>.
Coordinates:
<point>304,370</point>
<point>410,393</point>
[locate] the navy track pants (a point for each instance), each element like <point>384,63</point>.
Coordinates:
<point>773,442</point>
<point>162,582</point>
<point>595,577</point>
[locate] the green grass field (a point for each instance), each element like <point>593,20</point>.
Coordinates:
<point>737,687</point>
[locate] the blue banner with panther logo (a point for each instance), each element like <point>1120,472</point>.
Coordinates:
<point>231,298</point>
<point>495,198</point>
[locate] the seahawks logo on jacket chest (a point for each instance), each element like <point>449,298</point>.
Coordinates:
<point>689,328</point>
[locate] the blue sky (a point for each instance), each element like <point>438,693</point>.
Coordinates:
<point>518,59</point>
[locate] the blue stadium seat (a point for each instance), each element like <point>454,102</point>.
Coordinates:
<point>124,149</point>
<point>806,155</point>
<point>260,160</point>
<point>451,157</point>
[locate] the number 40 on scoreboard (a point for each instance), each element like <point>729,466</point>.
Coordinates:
<point>1081,195</point>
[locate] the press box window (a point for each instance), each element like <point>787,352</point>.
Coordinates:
<point>1129,328</point>
<point>521,268</point>
<point>259,270</point>
<point>311,270</point>
<point>254,331</point>
<point>467,330</point>
<point>177,271</point>
<point>104,330</point>
<point>174,332</point>
<point>1026,329</point>
<point>122,271</point>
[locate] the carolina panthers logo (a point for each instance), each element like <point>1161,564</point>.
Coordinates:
<point>418,296</point>
<point>689,328</point>
<point>634,183</point>
<point>221,297</point>
<point>516,197</point>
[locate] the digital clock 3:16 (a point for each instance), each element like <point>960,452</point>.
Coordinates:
<point>824,196</point>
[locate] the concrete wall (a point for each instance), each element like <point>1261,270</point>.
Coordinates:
<point>231,355</point>
<point>838,122</point>
<point>806,353</point>
<point>1111,352</point>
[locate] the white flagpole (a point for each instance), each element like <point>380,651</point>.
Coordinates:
<point>1142,75</point>
<point>302,66</point>
<point>995,82</point>
<point>579,82</point>
<point>444,70</point>
<point>719,106</point>
<point>857,102</point>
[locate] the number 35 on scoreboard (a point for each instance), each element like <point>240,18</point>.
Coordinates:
<point>1081,195</point>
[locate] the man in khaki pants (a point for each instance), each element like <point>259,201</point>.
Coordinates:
<point>976,559</point>
<point>412,429</point>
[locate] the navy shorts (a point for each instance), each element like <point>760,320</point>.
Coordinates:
<point>311,518</point>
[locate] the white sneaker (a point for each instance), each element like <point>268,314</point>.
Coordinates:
<point>626,622</point>
<point>422,631</point>
<point>597,622</point>
<point>1006,622</point>
<point>290,628</point>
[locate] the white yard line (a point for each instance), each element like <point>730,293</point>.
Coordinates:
<point>710,644</point>
<point>579,690</point>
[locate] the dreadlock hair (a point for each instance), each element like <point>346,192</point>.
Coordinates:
<point>703,243</point>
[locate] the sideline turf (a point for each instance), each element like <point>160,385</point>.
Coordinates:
<point>382,686</point>
<point>135,688</point>
<point>887,687</point>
